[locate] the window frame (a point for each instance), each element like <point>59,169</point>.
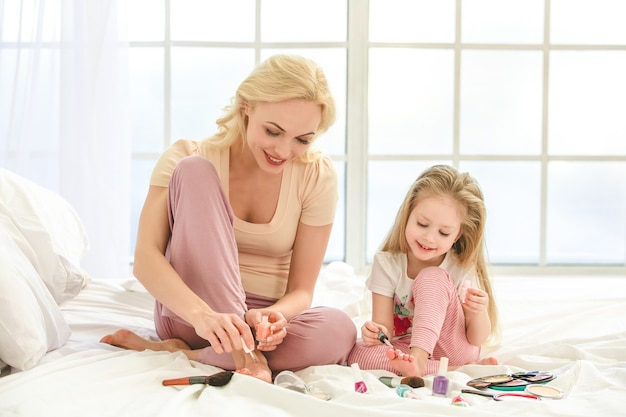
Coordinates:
<point>356,156</point>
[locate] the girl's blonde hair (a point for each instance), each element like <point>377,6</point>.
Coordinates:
<point>469,249</point>
<point>279,78</point>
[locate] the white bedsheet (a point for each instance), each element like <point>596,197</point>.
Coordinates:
<point>574,327</point>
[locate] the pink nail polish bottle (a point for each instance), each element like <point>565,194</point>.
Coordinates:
<point>263,329</point>
<point>440,382</point>
<point>359,384</point>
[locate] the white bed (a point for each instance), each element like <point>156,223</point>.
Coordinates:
<point>574,327</point>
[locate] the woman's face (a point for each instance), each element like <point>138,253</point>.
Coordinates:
<point>281,131</point>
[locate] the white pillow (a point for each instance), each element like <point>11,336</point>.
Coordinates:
<point>31,322</point>
<point>52,228</point>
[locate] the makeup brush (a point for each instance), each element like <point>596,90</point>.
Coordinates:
<point>411,381</point>
<point>216,380</point>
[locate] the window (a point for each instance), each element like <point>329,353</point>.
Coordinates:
<point>526,95</point>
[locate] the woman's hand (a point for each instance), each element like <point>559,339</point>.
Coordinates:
<point>278,327</point>
<point>224,331</point>
<point>369,332</point>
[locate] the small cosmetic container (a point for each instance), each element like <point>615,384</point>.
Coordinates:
<point>359,384</point>
<point>440,382</point>
<point>406,391</point>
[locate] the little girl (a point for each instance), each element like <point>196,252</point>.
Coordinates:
<point>431,295</point>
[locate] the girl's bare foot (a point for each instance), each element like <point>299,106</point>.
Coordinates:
<point>128,340</point>
<point>404,364</point>
<point>489,360</point>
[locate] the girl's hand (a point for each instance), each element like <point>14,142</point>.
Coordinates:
<point>476,301</point>
<point>369,332</point>
<point>278,327</point>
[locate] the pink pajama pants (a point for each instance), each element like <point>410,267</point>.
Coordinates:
<point>203,250</point>
<point>438,327</point>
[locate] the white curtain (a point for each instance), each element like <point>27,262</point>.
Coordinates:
<point>64,114</point>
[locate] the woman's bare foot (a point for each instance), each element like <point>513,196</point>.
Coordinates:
<point>263,374</point>
<point>128,340</point>
<point>404,364</point>
<point>257,369</point>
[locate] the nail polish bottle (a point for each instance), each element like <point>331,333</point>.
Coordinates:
<point>440,382</point>
<point>263,329</point>
<point>406,391</point>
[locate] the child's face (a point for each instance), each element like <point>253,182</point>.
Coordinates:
<point>433,227</point>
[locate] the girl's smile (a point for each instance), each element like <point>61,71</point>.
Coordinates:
<point>424,247</point>
<point>433,227</point>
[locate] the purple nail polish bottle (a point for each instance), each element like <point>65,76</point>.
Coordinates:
<point>440,382</point>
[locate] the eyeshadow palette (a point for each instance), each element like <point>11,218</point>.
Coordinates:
<point>511,382</point>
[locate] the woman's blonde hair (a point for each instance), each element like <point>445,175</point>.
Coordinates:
<point>469,249</point>
<point>279,78</point>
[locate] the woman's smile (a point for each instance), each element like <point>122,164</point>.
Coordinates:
<point>273,160</point>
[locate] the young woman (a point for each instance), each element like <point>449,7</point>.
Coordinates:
<point>431,294</point>
<point>235,228</point>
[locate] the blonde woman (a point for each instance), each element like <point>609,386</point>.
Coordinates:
<point>235,228</point>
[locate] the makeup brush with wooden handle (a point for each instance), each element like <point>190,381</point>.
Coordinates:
<point>216,380</point>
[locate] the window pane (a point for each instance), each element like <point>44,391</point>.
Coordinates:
<point>333,63</point>
<point>8,69</point>
<point>512,192</point>
<point>146,99</point>
<point>410,108</point>
<point>388,183</point>
<point>501,102</point>
<point>13,29</point>
<point>412,21</point>
<point>588,22</point>
<point>203,81</point>
<point>586,206</point>
<point>587,103</point>
<point>30,21</point>
<point>146,20</point>
<point>303,21</point>
<point>35,91</point>
<point>336,245</point>
<point>502,21</point>
<point>213,20</point>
